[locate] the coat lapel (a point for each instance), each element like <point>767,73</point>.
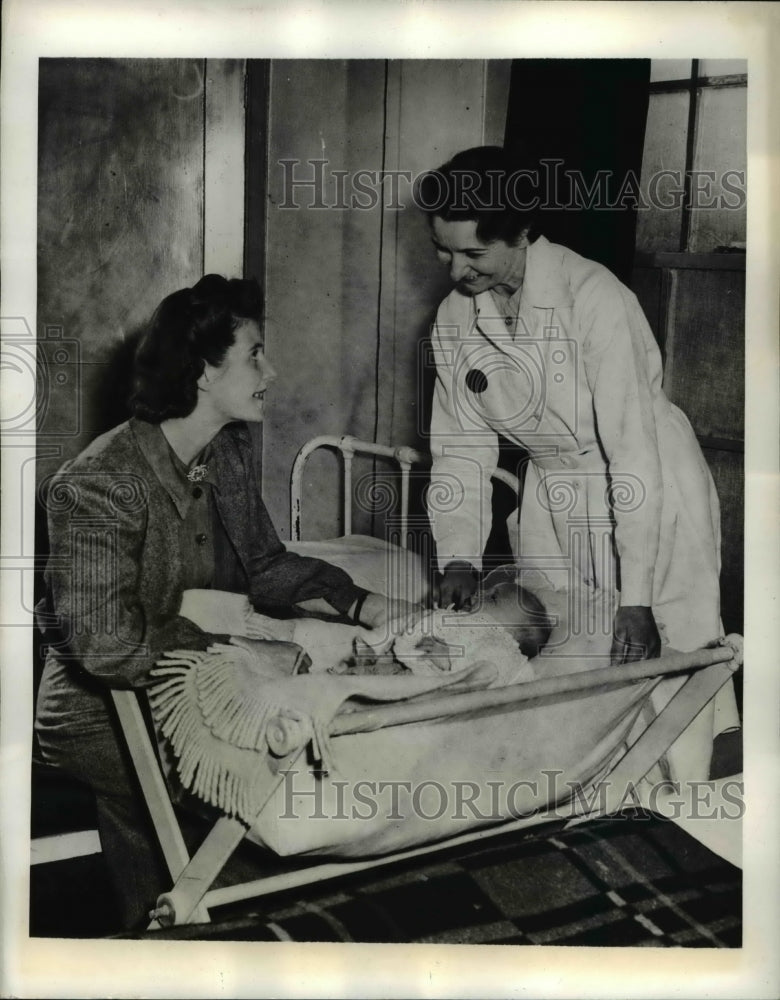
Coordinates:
<point>544,290</point>
<point>490,324</point>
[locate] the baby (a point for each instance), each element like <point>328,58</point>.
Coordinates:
<point>519,610</point>
<point>507,626</point>
<point>438,643</point>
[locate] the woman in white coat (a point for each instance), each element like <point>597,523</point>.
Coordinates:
<point>549,350</point>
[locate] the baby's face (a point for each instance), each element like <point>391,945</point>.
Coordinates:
<point>520,612</point>
<point>505,602</point>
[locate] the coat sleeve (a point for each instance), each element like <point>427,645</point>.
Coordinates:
<point>465,455</point>
<point>92,615</point>
<point>280,580</point>
<point>623,369</point>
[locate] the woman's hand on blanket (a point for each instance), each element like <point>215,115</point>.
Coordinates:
<point>282,658</point>
<point>635,635</point>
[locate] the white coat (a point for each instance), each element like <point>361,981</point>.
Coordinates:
<point>617,493</point>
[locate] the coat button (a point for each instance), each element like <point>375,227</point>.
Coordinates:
<point>197,492</point>
<point>476,381</point>
<point>508,320</point>
<point>201,538</point>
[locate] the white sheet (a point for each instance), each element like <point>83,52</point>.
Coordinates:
<point>374,564</point>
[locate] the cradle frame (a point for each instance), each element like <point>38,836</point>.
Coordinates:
<point>191,895</point>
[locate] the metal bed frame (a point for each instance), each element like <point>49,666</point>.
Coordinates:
<point>349,446</point>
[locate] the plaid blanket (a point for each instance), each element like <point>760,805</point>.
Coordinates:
<point>631,880</point>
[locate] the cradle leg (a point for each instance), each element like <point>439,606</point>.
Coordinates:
<point>153,786</point>
<point>677,715</point>
<point>183,904</point>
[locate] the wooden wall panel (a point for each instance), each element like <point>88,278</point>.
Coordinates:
<point>728,469</point>
<point>120,206</point>
<point>439,107</point>
<point>223,173</point>
<point>705,354</point>
<point>697,316</point>
<point>352,291</point>
<point>322,275</point>
<point>646,284</point>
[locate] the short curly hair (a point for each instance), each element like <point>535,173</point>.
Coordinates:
<point>190,328</point>
<point>482,185</point>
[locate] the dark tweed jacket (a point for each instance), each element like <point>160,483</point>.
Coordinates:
<point>116,574</point>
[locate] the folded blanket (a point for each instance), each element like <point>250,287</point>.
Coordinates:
<point>223,613</point>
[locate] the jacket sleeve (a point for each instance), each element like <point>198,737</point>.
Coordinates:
<point>92,615</point>
<point>623,367</point>
<point>280,580</point>
<point>465,455</point>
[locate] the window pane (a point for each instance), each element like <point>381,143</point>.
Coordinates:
<point>721,150</point>
<point>658,227</point>
<point>669,69</point>
<point>722,67</point>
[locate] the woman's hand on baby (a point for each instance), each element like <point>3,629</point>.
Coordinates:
<point>635,635</point>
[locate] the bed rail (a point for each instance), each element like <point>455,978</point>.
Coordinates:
<point>349,446</point>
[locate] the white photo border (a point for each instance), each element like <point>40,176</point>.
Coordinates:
<point>414,29</point>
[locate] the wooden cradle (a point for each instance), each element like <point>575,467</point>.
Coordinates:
<point>192,895</point>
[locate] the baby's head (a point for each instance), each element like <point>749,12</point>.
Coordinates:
<point>519,611</point>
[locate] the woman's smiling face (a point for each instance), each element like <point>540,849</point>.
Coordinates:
<point>235,389</point>
<point>476,266</point>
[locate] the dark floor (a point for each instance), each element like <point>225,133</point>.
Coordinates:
<point>633,879</point>
<point>74,898</point>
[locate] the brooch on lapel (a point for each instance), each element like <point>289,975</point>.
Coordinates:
<point>197,473</point>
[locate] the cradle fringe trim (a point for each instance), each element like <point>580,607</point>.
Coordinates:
<point>214,708</point>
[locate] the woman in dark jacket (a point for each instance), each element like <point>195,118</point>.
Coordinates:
<point>162,504</point>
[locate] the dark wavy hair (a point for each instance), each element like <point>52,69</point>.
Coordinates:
<point>482,185</point>
<point>190,327</point>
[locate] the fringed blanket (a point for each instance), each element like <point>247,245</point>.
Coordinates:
<point>233,724</point>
